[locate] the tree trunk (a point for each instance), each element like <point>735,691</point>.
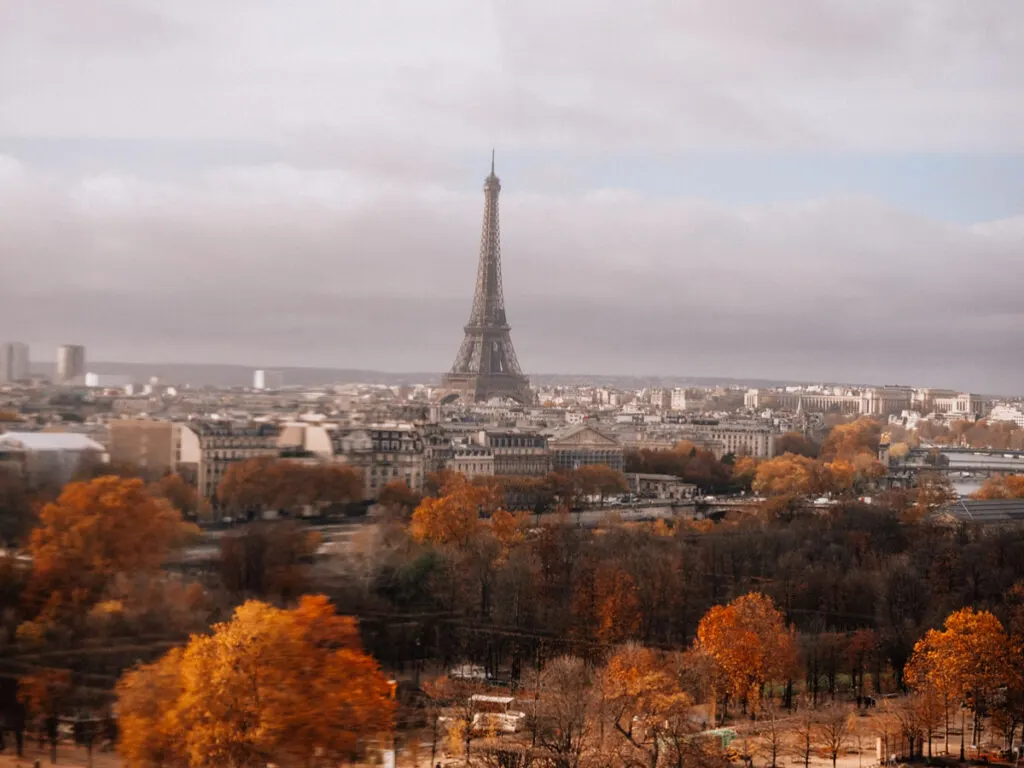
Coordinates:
<point>945,708</point>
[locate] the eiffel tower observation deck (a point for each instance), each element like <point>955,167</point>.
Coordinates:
<point>486,365</point>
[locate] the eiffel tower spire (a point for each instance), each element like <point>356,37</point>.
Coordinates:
<point>486,365</point>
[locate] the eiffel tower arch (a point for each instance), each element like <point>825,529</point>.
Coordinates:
<point>486,365</point>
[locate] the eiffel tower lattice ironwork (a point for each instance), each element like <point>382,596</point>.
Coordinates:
<point>486,365</point>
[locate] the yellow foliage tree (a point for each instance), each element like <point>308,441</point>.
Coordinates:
<point>289,687</point>
<point>899,451</point>
<point>788,475</point>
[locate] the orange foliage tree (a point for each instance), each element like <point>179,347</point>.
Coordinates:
<point>607,605</point>
<point>95,531</point>
<point>749,644</point>
<point>266,483</point>
<point>398,497</point>
<point>289,687</point>
<point>182,496</point>
<point>794,442</point>
<point>967,660</point>
<point>1001,487</point>
<point>46,694</point>
<point>454,516</point>
<point>601,480</point>
<point>649,708</point>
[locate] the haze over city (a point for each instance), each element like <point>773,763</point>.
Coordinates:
<point>791,190</point>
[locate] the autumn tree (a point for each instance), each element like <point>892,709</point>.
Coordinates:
<point>797,444</point>
<point>789,475</point>
<point>454,516</point>
<point>46,694</point>
<point>649,709</point>
<point>899,451</point>
<point>16,516</point>
<point>152,728</point>
<point>835,727</point>
<point>803,735</point>
<point>568,711</point>
<point>398,498</point>
<point>331,484</point>
<point>749,643</point>
<point>181,495</point>
<point>289,687</point>
<point>601,480</point>
<point>845,441</point>
<point>267,558</point>
<point>249,485</point>
<point>966,661</point>
<point>607,605</point>
<point>861,649</point>
<point>771,734</point>
<point>94,531</point>
<point>266,483</point>
<point>744,471</point>
<point>1001,487</point>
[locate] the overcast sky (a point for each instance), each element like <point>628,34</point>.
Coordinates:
<point>809,189</point>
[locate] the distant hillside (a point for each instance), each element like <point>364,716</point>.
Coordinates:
<point>209,375</point>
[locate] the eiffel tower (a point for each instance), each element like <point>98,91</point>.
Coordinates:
<point>486,365</point>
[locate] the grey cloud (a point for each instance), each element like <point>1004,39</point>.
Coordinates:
<point>447,74</point>
<point>279,265</point>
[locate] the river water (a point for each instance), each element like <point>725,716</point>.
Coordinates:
<point>965,485</point>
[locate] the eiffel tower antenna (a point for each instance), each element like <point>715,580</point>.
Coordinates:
<point>486,365</point>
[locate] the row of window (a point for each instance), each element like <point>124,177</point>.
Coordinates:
<point>398,445</point>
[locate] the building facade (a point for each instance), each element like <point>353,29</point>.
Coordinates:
<point>472,461</point>
<point>207,449</point>
<point>383,453</point>
<point>583,446</point>
<point>150,445</point>
<point>755,440</point>
<point>660,487</point>
<point>70,364</point>
<point>872,401</point>
<point>272,380</point>
<point>49,459</point>
<point>678,401</point>
<point>14,362</point>
<point>517,453</point>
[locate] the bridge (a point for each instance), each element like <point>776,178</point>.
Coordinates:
<point>965,462</point>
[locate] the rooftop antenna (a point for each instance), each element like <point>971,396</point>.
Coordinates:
<point>492,161</point>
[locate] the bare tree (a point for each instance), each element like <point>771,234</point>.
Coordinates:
<point>804,735</point>
<point>566,711</point>
<point>835,727</point>
<point>906,716</point>
<point>771,743</point>
<point>930,709</point>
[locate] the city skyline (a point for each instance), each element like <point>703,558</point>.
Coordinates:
<point>814,215</point>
